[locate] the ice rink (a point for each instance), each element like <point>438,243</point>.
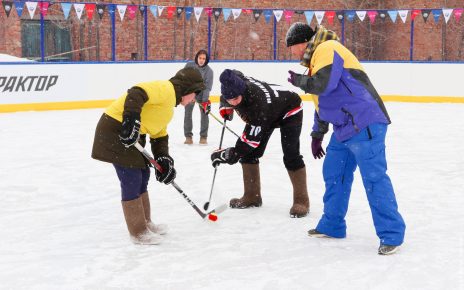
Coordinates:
<point>62,226</point>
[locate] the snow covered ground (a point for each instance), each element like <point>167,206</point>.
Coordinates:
<point>62,227</point>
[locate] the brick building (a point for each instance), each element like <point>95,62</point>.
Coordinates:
<point>176,38</point>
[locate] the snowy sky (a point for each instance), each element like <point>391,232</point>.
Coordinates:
<point>62,227</point>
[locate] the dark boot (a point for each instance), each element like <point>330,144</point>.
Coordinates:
<point>137,224</point>
<point>156,228</point>
<point>251,187</point>
<point>300,206</point>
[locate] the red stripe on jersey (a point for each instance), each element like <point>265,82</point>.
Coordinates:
<point>294,111</point>
<point>250,143</point>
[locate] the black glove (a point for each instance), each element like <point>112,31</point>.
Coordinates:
<point>130,128</point>
<point>316,148</point>
<point>295,78</point>
<point>224,156</point>
<point>167,173</point>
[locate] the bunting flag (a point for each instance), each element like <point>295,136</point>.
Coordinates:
<point>403,15</point>
<point>209,11</point>
<point>179,11</point>
<point>425,14</point>
<point>89,10</point>
<point>171,10</point>
<point>79,8</point>
<point>121,10</point>
<point>267,15</point>
<point>436,14</point>
<point>361,14</point>
<point>383,15</point>
<point>247,11</point>
<point>278,14</point>
<point>457,14</point>
<point>217,13</point>
<point>236,13</point>
<point>299,12</point>
<point>154,10</point>
<point>7,5</point>
<point>319,16</point>
<point>188,13</point>
<point>226,13</point>
<point>101,10</point>
<point>111,9</point>
<point>372,15</point>
<point>447,14</point>
<point>66,7</point>
<point>31,6</point>
<point>330,16</point>
<point>43,7</point>
<point>414,13</point>
<point>393,15</point>
<point>288,15</point>
<point>257,14</point>
<point>142,9</point>
<point>340,16</point>
<point>350,15</point>
<point>160,10</point>
<point>197,11</point>
<point>309,16</point>
<point>19,7</point>
<point>132,9</point>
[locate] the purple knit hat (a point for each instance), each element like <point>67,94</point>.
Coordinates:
<point>231,85</point>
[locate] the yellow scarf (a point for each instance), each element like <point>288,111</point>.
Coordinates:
<point>322,34</point>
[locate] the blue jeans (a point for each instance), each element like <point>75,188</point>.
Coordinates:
<point>366,150</point>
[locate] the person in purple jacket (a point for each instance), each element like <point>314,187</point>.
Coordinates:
<point>345,98</point>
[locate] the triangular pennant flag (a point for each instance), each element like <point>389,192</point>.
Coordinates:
<point>299,12</point>
<point>101,10</point>
<point>309,16</point>
<point>7,5</point>
<point>217,13</point>
<point>288,15</point>
<point>66,8</point>
<point>179,11</point>
<point>361,14</point>
<point>350,15</point>
<point>267,15</point>
<point>89,10</point>
<point>319,16</point>
<point>257,14</point>
<point>188,13</point>
<point>372,15</point>
<point>226,13</point>
<point>382,15</point>
<point>340,16</point>
<point>393,14</point>
<point>457,14</point>
<point>111,9</point>
<point>154,10</point>
<point>236,13</point>
<point>278,14</point>
<point>19,7</point>
<point>142,9</point>
<point>43,6</point>
<point>247,11</point>
<point>160,10</point>
<point>121,10</point>
<point>197,11</point>
<point>79,8</point>
<point>330,16</point>
<point>447,14</point>
<point>31,6</point>
<point>403,14</point>
<point>132,9</point>
<point>436,14</point>
<point>425,14</point>
<point>414,13</point>
<point>171,10</point>
<point>209,11</point>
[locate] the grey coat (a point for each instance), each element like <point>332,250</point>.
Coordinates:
<point>207,75</point>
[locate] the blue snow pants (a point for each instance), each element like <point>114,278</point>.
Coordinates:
<point>134,181</point>
<point>366,150</point>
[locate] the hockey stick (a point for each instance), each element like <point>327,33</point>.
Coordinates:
<point>205,207</point>
<point>222,123</point>
<point>203,215</point>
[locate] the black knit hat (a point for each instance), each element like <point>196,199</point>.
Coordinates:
<point>232,85</point>
<point>187,80</point>
<point>299,32</point>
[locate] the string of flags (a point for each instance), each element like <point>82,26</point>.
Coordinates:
<point>157,11</point>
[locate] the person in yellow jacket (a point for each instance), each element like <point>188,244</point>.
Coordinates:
<point>146,108</point>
